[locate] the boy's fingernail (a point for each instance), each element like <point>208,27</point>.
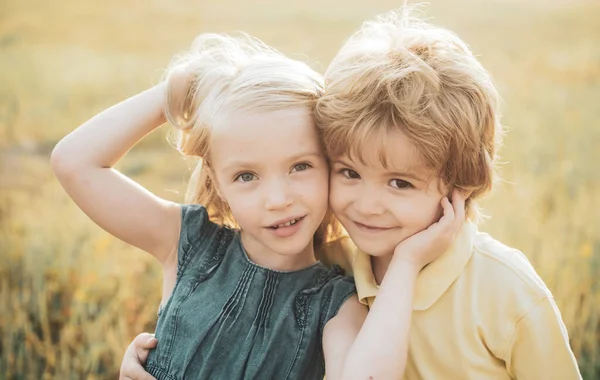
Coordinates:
<point>151,340</point>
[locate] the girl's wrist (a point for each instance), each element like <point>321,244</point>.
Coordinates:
<point>160,93</point>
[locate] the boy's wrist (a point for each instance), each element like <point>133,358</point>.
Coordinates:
<point>407,262</point>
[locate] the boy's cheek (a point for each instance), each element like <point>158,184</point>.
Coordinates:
<point>337,192</point>
<point>335,203</point>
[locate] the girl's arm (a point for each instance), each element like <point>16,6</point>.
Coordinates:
<point>379,349</point>
<point>83,162</point>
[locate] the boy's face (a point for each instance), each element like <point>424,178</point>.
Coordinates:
<point>381,207</point>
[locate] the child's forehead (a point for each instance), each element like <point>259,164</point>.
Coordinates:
<point>390,150</point>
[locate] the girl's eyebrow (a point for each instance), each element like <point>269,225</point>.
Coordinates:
<point>306,154</point>
<point>235,164</point>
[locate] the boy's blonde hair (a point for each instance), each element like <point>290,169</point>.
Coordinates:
<point>221,75</point>
<point>399,72</point>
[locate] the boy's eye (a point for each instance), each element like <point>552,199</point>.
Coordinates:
<point>400,184</point>
<point>245,177</point>
<point>349,173</point>
<point>301,167</point>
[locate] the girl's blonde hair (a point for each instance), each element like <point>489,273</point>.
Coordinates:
<point>221,75</point>
<point>401,73</point>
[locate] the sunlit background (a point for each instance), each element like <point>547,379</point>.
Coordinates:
<point>72,297</point>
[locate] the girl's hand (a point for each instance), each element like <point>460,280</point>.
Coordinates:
<point>135,357</point>
<point>180,107</point>
<point>427,245</point>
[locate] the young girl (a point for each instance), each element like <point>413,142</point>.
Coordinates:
<point>243,295</point>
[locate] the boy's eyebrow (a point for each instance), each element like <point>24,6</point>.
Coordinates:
<point>408,174</point>
<point>340,161</point>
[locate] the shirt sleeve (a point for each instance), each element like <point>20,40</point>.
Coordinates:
<point>539,348</point>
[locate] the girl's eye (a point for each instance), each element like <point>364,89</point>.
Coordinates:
<point>400,184</point>
<point>245,177</point>
<point>349,173</point>
<point>301,167</point>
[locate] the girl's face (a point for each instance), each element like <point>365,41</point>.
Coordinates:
<point>270,169</point>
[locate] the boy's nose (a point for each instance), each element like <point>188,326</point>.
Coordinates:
<point>368,202</point>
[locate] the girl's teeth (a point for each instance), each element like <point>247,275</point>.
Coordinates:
<point>288,223</point>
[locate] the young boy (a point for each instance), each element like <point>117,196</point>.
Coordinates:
<point>408,115</point>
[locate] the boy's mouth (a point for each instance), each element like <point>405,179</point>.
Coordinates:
<point>370,228</point>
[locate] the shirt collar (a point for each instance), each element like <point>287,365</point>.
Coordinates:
<point>433,280</point>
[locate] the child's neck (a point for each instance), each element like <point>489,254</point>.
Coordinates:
<point>380,265</point>
<point>266,258</point>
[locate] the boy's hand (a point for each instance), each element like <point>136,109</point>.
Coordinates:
<point>427,245</point>
<point>135,357</point>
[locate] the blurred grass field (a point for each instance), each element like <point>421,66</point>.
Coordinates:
<point>72,297</point>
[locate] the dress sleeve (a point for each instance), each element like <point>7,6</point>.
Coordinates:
<point>340,289</point>
<point>196,231</point>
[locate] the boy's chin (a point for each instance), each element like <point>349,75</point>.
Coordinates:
<point>375,248</point>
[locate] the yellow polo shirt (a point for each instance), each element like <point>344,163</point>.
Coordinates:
<point>480,312</point>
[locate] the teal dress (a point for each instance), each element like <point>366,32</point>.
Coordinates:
<point>229,318</point>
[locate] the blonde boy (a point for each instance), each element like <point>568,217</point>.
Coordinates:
<point>409,114</point>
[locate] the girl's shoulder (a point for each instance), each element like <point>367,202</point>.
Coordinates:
<point>200,238</point>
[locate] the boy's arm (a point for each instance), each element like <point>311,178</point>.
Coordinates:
<point>132,365</point>
<point>83,162</point>
<point>380,349</point>
<point>339,335</point>
<point>539,348</point>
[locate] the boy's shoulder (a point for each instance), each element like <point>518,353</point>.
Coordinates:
<point>506,269</point>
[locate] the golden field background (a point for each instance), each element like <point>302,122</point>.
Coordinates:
<point>72,297</point>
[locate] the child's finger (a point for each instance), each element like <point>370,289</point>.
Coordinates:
<point>145,341</point>
<point>143,375</point>
<point>142,344</point>
<point>458,202</point>
<point>136,373</point>
<point>448,214</point>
